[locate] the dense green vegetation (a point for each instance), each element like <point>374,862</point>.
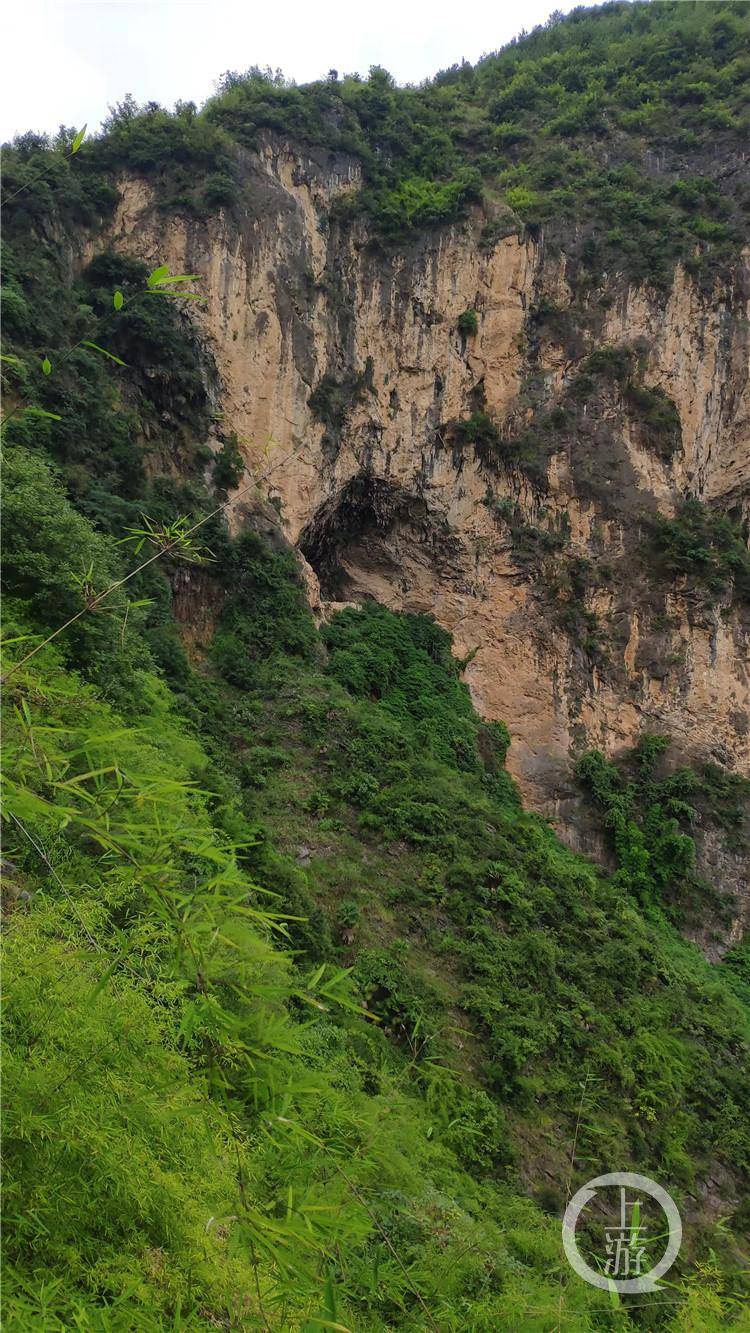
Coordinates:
<point>649,815</point>
<point>373,747</point>
<point>468,324</point>
<point>608,127</point>
<point>554,127</point>
<point>309,1024</point>
<point>704,548</point>
<point>157,1032</point>
<point>611,376</point>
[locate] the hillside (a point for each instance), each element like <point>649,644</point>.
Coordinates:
<point>376,829</point>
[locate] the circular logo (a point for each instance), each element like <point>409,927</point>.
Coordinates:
<point>625,1243</point>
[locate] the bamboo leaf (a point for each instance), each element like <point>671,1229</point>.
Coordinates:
<point>614,1295</point>
<point>117,300</point>
<point>40,412</point>
<point>46,366</point>
<point>179,277</point>
<point>96,348</point>
<point>158,274</point>
<point>78,141</point>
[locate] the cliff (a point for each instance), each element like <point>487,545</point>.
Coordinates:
<point>343,372</point>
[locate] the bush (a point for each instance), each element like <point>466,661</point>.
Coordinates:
<point>265,614</point>
<point>704,547</point>
<point>468,324</point>
<point>53,559</point>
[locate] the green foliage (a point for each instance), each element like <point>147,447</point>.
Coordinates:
<point>658,416</point>
<point>195,162</point>
<point>417,202</point>
<point>726,795</point>
<point>206,1129</point>
<point>406,665</point>
<point>649,812</point>
<point>266,613</point>
<point>53,562</point>
<point>468,324</point>
<point>703,547</point>
<point>229,466</point>
<point>527,935</point>
<point>649,406</point>
<point>532,542</point>
<point>331,400</point>
<point>526,451</point>
<point>556,122</point>
<point>643,819</point>
<point>96,436</point>
<point>219,1124</point>
<point>524,938</point>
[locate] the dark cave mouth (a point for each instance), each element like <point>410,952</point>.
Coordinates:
<point>357,519</point>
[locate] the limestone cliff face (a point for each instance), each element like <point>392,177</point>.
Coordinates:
<point>371,488</point>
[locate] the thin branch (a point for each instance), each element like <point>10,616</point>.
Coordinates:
<point>96,601</point>
<point>42,853</point>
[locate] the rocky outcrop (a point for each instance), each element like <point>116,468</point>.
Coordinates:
<point>343,373</point>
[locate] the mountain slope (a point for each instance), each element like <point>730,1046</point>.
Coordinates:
<point>311,1022</point>
<point>490,420</point>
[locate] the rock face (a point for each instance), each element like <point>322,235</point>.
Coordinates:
<point>343,373</point>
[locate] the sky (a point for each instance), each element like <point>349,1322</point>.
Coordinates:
<point>66,61</point>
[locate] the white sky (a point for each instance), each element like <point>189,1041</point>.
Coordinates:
<point>66,62</point>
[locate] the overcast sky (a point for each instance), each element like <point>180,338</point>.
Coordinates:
<point>66,61</point>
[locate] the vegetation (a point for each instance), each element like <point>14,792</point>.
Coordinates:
<point>610,373</point>
<point>562,128</point>
<point>554,125</point>
<point>468,324</point>
<point>650,407</point>
<point>331,401</point>
<point>309,1024</point>
<point>704,548</point>
<point>140,859</point>
<point>229,466</point>
<point>649,817</point>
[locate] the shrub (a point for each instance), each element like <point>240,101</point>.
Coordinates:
<point>468,324</point>
<point>704,547</point>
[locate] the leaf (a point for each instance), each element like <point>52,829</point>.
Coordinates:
<point>117,300</point>
<point>103,980</point>
<point>330,1297</point>
<point>161,272</point>
<point>12,360</point>
<point>103,350</point>
<point>46,366</point>
<point>78,141</point>
<point>40,412</point>
<point>182,277</point>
